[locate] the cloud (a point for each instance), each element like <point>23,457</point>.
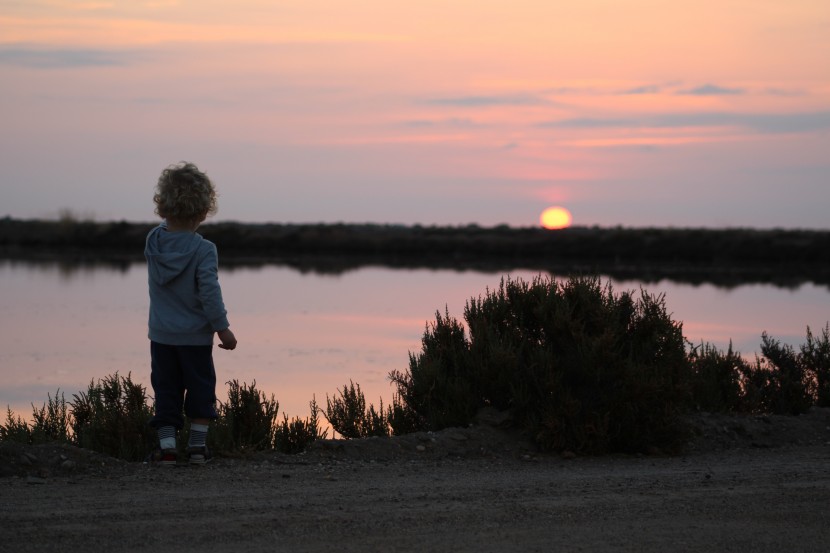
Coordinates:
<point>645,89</point>
<point>572,90</point>
<point>487,101</point>
<point>712,90</point>
<point>785,92</point>
<point>419,123</point>
<point>41,58</point>
<point>766,123</point>
<point>456,122</point>
<point>592,123</point>
<point>788,123</point>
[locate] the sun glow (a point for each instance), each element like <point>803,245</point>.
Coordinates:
<point>556,218</point>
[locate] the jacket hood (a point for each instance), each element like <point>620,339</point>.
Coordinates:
<point>169,253</point>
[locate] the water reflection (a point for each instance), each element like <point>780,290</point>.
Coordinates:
<point>728,277</point>
<point>66,268</point>
<point>307,334</point>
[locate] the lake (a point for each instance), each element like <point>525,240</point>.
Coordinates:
<point>307,334</point>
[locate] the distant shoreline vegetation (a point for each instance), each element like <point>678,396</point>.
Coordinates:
<point>724,257</point>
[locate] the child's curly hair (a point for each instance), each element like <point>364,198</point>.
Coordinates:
<point>184,193</point>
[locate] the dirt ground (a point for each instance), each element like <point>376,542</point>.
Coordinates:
<point>744,484</point>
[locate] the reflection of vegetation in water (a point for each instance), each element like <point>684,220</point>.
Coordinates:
<point>572,364</point>
<point>724,257</point>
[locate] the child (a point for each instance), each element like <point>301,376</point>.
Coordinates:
<point>186,309</point>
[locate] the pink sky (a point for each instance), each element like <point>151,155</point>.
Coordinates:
<point>639,113</point>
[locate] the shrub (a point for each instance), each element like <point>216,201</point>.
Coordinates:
<point>349,416</point>
<point>246,421</point>
<point>781,380</point>
<point>437,388</point>
<point>815,355</point>
<point>715,378</point>
<point>111,417</point>
<point>580,367</point>
<point>788,378</point>
<point>402,418</point>
<point>51,421</point>
<point>15,429</point>
<point>759,383</point>
<point>295,435</point>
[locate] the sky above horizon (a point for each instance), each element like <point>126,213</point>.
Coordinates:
<point>636,113</point>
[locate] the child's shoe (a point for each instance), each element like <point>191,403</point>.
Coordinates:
<point>163,458</point>
<point>199,455</point>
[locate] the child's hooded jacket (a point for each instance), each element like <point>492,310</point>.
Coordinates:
<point>186,306</point>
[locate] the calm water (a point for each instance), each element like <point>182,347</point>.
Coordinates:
<point>302,335</point>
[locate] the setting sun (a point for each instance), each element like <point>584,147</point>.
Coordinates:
<point>555,218</point>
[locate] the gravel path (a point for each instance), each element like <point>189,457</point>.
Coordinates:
<point>450,494</point>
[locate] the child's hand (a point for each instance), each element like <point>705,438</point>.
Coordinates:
<point>227,338</point>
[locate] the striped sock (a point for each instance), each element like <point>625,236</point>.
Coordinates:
<point>198,435</point>
<point>167,437</point>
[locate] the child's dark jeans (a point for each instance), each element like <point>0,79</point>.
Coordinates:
<point>183,378</point>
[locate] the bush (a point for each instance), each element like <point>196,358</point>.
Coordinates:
<point>815,356</point>
<point>295,435</point>
<point>349,416</point>
<point>436,390</point>
<point>578,367</point>
<point>760,387</point>
<point>779,382</point>
<point>793,394</point>
<point>715,378</point>
<point>15,429</point>
<point>111,417</point>
<point>247,421</point>
<point>403,419</point>
<point>581,368</point>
